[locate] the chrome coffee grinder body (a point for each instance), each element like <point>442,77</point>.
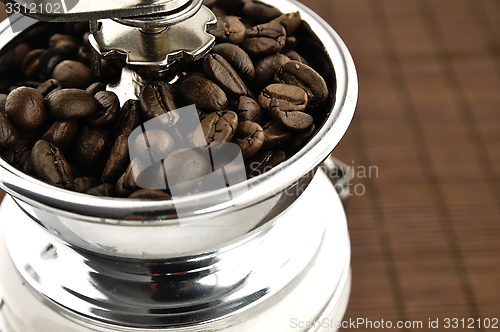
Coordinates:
<point>274,257</point>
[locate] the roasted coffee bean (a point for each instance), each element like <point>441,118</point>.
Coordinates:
<point>218,126</point>
<point>49,59</point>
<point>295,56</point>
<point>3,99</point>
<point>237,58</point>
<point>150,193</point>
<point>90,143</point>
<point>249,137</point>
<point>107,112</point>
<point>30,65</point>
<point>60,39</point>
<point>72,74</point>
<point>290,43</point>
<point>84,184</point>
<point>264,39</point>
<point>77,29</point>
<point>129,178</point>
<point>8,133</point>
<point>305,77</point>
<point>19,153</point>
<point>181,167</point>
<point>299,139</point>
<point>203,93</point>
<point>289,120</point>
<point>94,88</point>
<point>120,189</point>
<point>130,117</point>
<point>105,189</point>
<point>260,12</point>
<point>153,144</point>
<point>25,107</point>
<point>11,59</point>
<point>61,132</point>
<point>290,97</point>
<point>50,165</point>
<point>244,66</point>
<point>266,68</point>
<point>48,86</point>
<point>117,161</point>
<point>290,21</point>
<point>156,100</point>
<point>71,103</point>
<point>264,161</point>
<point>84,55</point>
<point>217,69</point>
<point>249,110</point>
<point>275,136</point>
<point>229,29</point>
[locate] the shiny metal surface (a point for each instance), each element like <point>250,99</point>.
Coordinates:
<point>153,52</point>
<point>295,270</point>
<point>152,227</point>
<point>84,10</point>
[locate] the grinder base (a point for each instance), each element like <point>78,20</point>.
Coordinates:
<point>315,303</point>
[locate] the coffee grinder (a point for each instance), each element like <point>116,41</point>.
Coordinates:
<point>275,258</point>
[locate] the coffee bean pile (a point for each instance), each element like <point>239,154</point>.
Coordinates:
<point>257,89</point>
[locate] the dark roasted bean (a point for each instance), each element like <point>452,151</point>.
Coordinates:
<point>31,63</point>
<point>264,39</point>
<point>153,144</point>
<point>48,86</point>
<point>94,88</point>
<point>25,107</point>
<point>61,133</point>
<point>260,12</point>
<point>217,69</point>
<point>249,110</point>
<point>130,117</point>
<point>11,59</point>
<point>50,165</point>
<point>72,74</point>
<point>182,166</point>
<point>49,59</point>
<point>105,189</point>
<point>84,184</point>
<point>249,137</point>
<point>90,143</point>
<point>291,21</point>
<point>203,93</point>
<point>218,126</point>
<point>238,59</point>
<point>266,68</point>
<point>109,107</point>
<point>229,29</point>
<point>289,120</point>
<point>295,56</point>
<point>71,103</point>
<point>156,100</point>
<point>290,97</point>
<point>150,193</point>
<point>275,136</point>
<point>3,99</point>
<point>19,153</point>
<point>117,161</point>
<point>120,189</point>
<point>305,77</point>
<point>8,133</point>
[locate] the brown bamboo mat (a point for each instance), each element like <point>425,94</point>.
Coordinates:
<point>426,231</point>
